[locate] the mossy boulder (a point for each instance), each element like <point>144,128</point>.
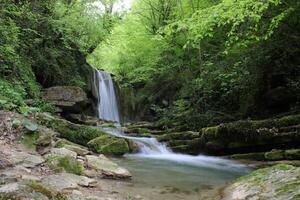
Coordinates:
<point>275,155</point>
<point>79,134</point>
<point>292,154</point>
<point>276,182</point>
<point>250,135</point>
<point>110,145</point>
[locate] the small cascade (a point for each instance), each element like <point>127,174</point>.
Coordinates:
<point>107,109</point>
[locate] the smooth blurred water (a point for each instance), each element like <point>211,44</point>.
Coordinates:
<point>196,178</point>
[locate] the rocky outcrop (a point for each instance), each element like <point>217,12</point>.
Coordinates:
<point>279,182</point>
<point>274,155</point>
<point>250,136</point>
<point>69,98</point>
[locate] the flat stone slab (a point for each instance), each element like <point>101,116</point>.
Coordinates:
<point>66,181</point>
<point>27,160</point>
<point>106,167</point>
<point>63,152</point>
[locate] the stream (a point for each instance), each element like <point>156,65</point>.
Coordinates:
<point>159,173</point>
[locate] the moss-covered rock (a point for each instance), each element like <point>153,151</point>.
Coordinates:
<point>188,135</point>
<point>249,156</point>
<point>111,145</point>
<point>79,134</point>
<point>292,154</point>
<point>276,182</point>
<point>80,150</point>
<point>250,135</point>
<point>65,163</point>
<point>275,155</point>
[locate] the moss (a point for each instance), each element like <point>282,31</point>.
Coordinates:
<point>249,156</point>
<point>292,154</point>
<point>243,134</point>
<point>79,134</point>
<point>290,187</point>
<point>29,140</point>
<point>110,145</point>
<point>188,135</point>
<point>275,155</point>
<point>65,163</point>
<point>258,174</point>
<point>37,187</point>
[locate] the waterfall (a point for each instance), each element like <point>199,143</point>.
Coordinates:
<point>107,106</point>
<point>107,109</point>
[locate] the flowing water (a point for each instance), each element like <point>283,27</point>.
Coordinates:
<point>159,173</point>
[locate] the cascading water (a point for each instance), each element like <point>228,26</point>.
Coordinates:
<point>107,109</point>
<point>107,106</point>
<point>149,147</point>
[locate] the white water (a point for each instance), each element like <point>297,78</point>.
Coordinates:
<point>107,106</point>
<point>149,148</point>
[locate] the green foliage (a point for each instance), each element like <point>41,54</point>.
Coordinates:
<point>203,62</point>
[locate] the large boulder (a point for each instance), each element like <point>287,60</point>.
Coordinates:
<point>109,145</point>
<point>106,168</point>
<point>68,98</point>
<point>79,134</point>
<point>279,182</point>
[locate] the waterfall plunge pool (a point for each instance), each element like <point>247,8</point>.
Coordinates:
<point>184,177</point>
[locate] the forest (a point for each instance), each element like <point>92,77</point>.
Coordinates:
<point>208,77</point>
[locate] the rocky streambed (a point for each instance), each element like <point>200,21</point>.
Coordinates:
<point>46,157</point>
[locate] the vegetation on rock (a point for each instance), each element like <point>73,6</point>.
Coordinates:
<point>110,145</point>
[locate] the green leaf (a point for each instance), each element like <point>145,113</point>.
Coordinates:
<point>23,110</point>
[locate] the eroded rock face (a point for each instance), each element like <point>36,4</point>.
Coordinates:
<point>106,168</point>
<point>279,182</point>
<point>69,98</point>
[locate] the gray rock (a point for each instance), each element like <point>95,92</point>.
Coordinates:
<point>68,98</point>
<point>9,188</point>
<point>63,152</point>
<point>66,181</point>
<point>106,168</point>
<point>280,182</point>
<point>27,160</point>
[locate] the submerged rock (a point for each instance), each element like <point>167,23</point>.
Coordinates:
<point>106,168</point>
<point>110,145</point>
<point>279,182</point>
